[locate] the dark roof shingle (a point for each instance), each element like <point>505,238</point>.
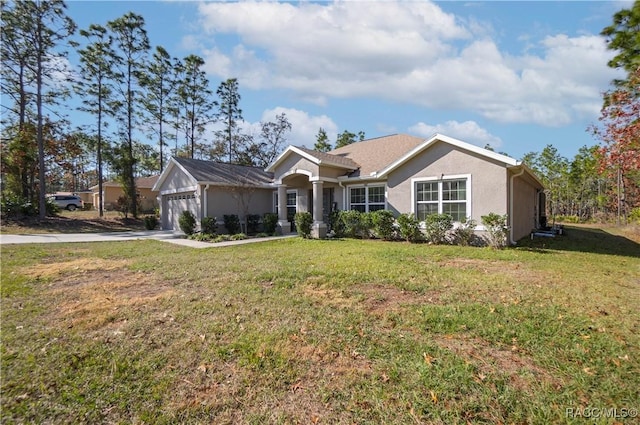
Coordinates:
<point>222,173</point>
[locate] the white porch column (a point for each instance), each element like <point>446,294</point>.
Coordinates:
<point>319,229</point>
<point>284,227</point>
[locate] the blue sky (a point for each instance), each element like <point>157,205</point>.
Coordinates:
<point>515,75</point>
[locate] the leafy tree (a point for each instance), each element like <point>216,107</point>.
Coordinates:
<point>161,88</point>
<point>272,140</point>
<point>132,46</point>
<point>322,141</point>
<point>95,87</point>
<point>620,115</point>
<point>553,170</point>
<point>197,103</point>
<point>230,115</point>
<point>585,183</point>
<point>620,134</point>
<point>34,31</point>
<point>346,138</point>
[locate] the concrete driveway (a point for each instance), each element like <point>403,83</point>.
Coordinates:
<point>175,237</point>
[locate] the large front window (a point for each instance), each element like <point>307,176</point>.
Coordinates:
<point>367,198</point>
<point>443,197</point>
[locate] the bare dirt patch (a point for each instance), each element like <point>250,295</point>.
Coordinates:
<point>382,299</point>
<point>374,298</point>
<point>90,293</point>
<point>521,371</point>
<point>77,266</point>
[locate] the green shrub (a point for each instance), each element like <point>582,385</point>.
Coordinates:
<point>304,221</point>
<point>253,221</point>
<point>263,235</point>
<point>51,208</point>
<point>366,225</point>
<point>150,222</point>
<point>409,227</point>
<point>497,229</point>
<point>187,222</point>
<point>238,237</point>
<point>222,238</point>
<point>201,237</point>
<point>384,224</point>
<point>335,223</point>
<point>209,225</point>
<point>232,223</point>
<point>352,223</point>
<point>634,216</point>
<point>270,223</point>
<point>464,234</point>
<point>436,228</point>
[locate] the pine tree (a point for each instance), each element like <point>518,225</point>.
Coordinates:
<point>132,44</point>
<point>322,141</point>
<point>196,102</point>
<point>95,87</point>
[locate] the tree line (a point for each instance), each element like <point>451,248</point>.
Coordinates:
<point>127,88</point>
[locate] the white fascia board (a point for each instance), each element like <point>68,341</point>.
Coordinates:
<point>529,171</point>
<point>286,153</point>
<point>163,176</point>
<point>451,141</point>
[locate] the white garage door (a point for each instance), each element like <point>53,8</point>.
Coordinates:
<point>176,204</point>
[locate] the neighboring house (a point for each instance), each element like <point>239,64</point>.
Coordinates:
<point>111,191</point>
<point>401,173</point>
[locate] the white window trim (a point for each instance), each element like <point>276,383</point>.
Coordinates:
<point>275,199</point>
<point>366,194</point>
<point>443,177</point>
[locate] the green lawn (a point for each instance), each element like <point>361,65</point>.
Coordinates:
<point>327,332</point>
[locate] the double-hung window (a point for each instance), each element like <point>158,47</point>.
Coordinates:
<point>443,196</point>
<point>367,198</point>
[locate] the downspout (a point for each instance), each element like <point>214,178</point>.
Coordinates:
<point>513,176</point>
<point>206,202</point>
<point>344,195</point>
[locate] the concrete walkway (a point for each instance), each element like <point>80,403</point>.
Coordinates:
<point>170,236</point>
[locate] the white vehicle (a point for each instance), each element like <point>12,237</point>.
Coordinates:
<point>68,202</point>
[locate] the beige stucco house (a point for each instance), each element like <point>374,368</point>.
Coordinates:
<point>401,173</point>
<point>112,190</point>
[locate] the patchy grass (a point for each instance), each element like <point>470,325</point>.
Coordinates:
<point>73,222</point>
<point>304,331</point>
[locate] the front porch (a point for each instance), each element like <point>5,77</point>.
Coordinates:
<point>307,181</point>
<point>297,194</point>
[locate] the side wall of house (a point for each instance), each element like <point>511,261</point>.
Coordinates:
<point>488,179</point>
<point>223,201</point>
<point>525,205</point>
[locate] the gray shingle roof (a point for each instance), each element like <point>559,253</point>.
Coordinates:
<point>221,173</point>
<point>329,158</point>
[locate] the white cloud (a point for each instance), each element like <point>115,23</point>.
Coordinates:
<point>304,127</point>
<point>409,52</point>
<point>468,131</point>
